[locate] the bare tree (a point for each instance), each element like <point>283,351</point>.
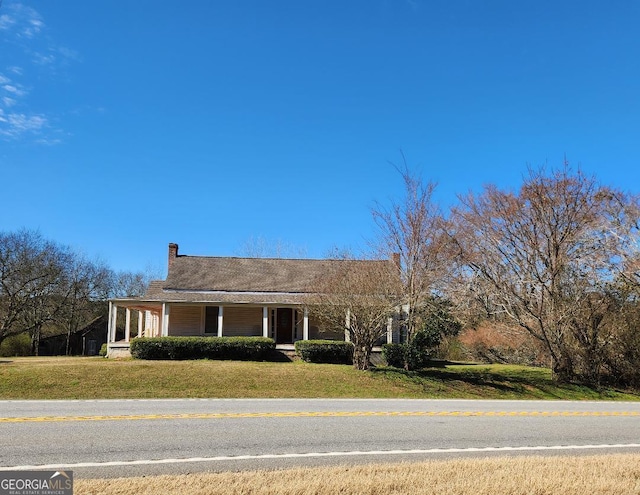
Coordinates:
<point>31,274</point>
<point>51,301</point>
<point>543,257</point>
<point>130,284</point>
<point>88,285</point>
<point>412,231</point>
<point>622,356</point>
<point>623,223</point>
<point>261,247</point>
<point>360,297</point>
<point>47,287</point>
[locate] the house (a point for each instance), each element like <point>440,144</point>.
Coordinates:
<point>226,296</point>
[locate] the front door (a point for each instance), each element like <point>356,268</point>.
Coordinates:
<point>284,326</point>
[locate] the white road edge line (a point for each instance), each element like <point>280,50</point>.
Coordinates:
<point>540,448</point>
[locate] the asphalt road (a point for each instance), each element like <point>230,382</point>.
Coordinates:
<point>141,437</point>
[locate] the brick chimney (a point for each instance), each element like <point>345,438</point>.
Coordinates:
<point>173,253</point>
<point>395,257</point>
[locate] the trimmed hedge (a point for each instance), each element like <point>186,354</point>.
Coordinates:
<point>235,348</point>
<point>325,351</point>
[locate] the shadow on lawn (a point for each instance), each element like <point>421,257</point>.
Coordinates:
<point>476,380</point>
<point>279,357</point>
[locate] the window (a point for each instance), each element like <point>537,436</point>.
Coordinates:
<point>211,320</point>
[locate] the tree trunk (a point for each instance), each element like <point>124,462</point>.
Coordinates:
<point>35,341</point>
<point>70,329</point>
<point>593,365</point>
<point>563,369</point>
<point>361,357</point>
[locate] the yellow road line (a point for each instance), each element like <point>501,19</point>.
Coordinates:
<point>318,414</point>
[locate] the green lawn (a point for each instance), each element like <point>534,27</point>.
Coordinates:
<point>93,378</point>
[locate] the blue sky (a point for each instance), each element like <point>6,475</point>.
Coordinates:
<point>125,126</point>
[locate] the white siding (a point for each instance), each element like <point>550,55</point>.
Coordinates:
<point>185,320</point>
<point>242,322</point>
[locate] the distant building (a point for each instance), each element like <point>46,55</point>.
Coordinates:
<point>85,341</point>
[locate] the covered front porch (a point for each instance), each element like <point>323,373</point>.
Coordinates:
<point>285,324</point>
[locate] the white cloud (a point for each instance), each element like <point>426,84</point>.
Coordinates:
<point>32,56</point>
<point>36,23</point>
<point>10,88</point>
<point>68,53</point>
<point>29,20</point>
<point>6,22</point>
<point>10,92</point>
<point>31,51</point>
<point>16,125</point>
<point>49,141</point>
<point>42,59</point>
<point>27,123</point>
<point>25,21</point>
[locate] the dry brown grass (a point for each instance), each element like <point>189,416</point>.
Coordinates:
<point>498,342</point>
<point>606,474</point>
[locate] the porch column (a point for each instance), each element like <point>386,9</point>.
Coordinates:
<point>220,320</point>
<point>265,321</point>
<point>305,325</point>
<point>165,320</point>
<point>390,331</point>
<point>148,324</point>
<point>140,327</point>
<point>109,321</point>
<point>404,314</point>
<point>155,324</point>
<point>127,324</point>
<point>113,319</point>
<point>347,324</point>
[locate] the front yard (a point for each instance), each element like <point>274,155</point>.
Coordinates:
<point>98,378</point>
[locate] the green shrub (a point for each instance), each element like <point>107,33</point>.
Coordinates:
<point>236,348</point>
<point>325,351</point>
<point>394,354</point>
<point>103,350</point>
<point>437,324</point>
<point>413,355</point>
<point>16,345</point>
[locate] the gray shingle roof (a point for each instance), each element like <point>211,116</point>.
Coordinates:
<point>246,274</point>
<point>242,280</point>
